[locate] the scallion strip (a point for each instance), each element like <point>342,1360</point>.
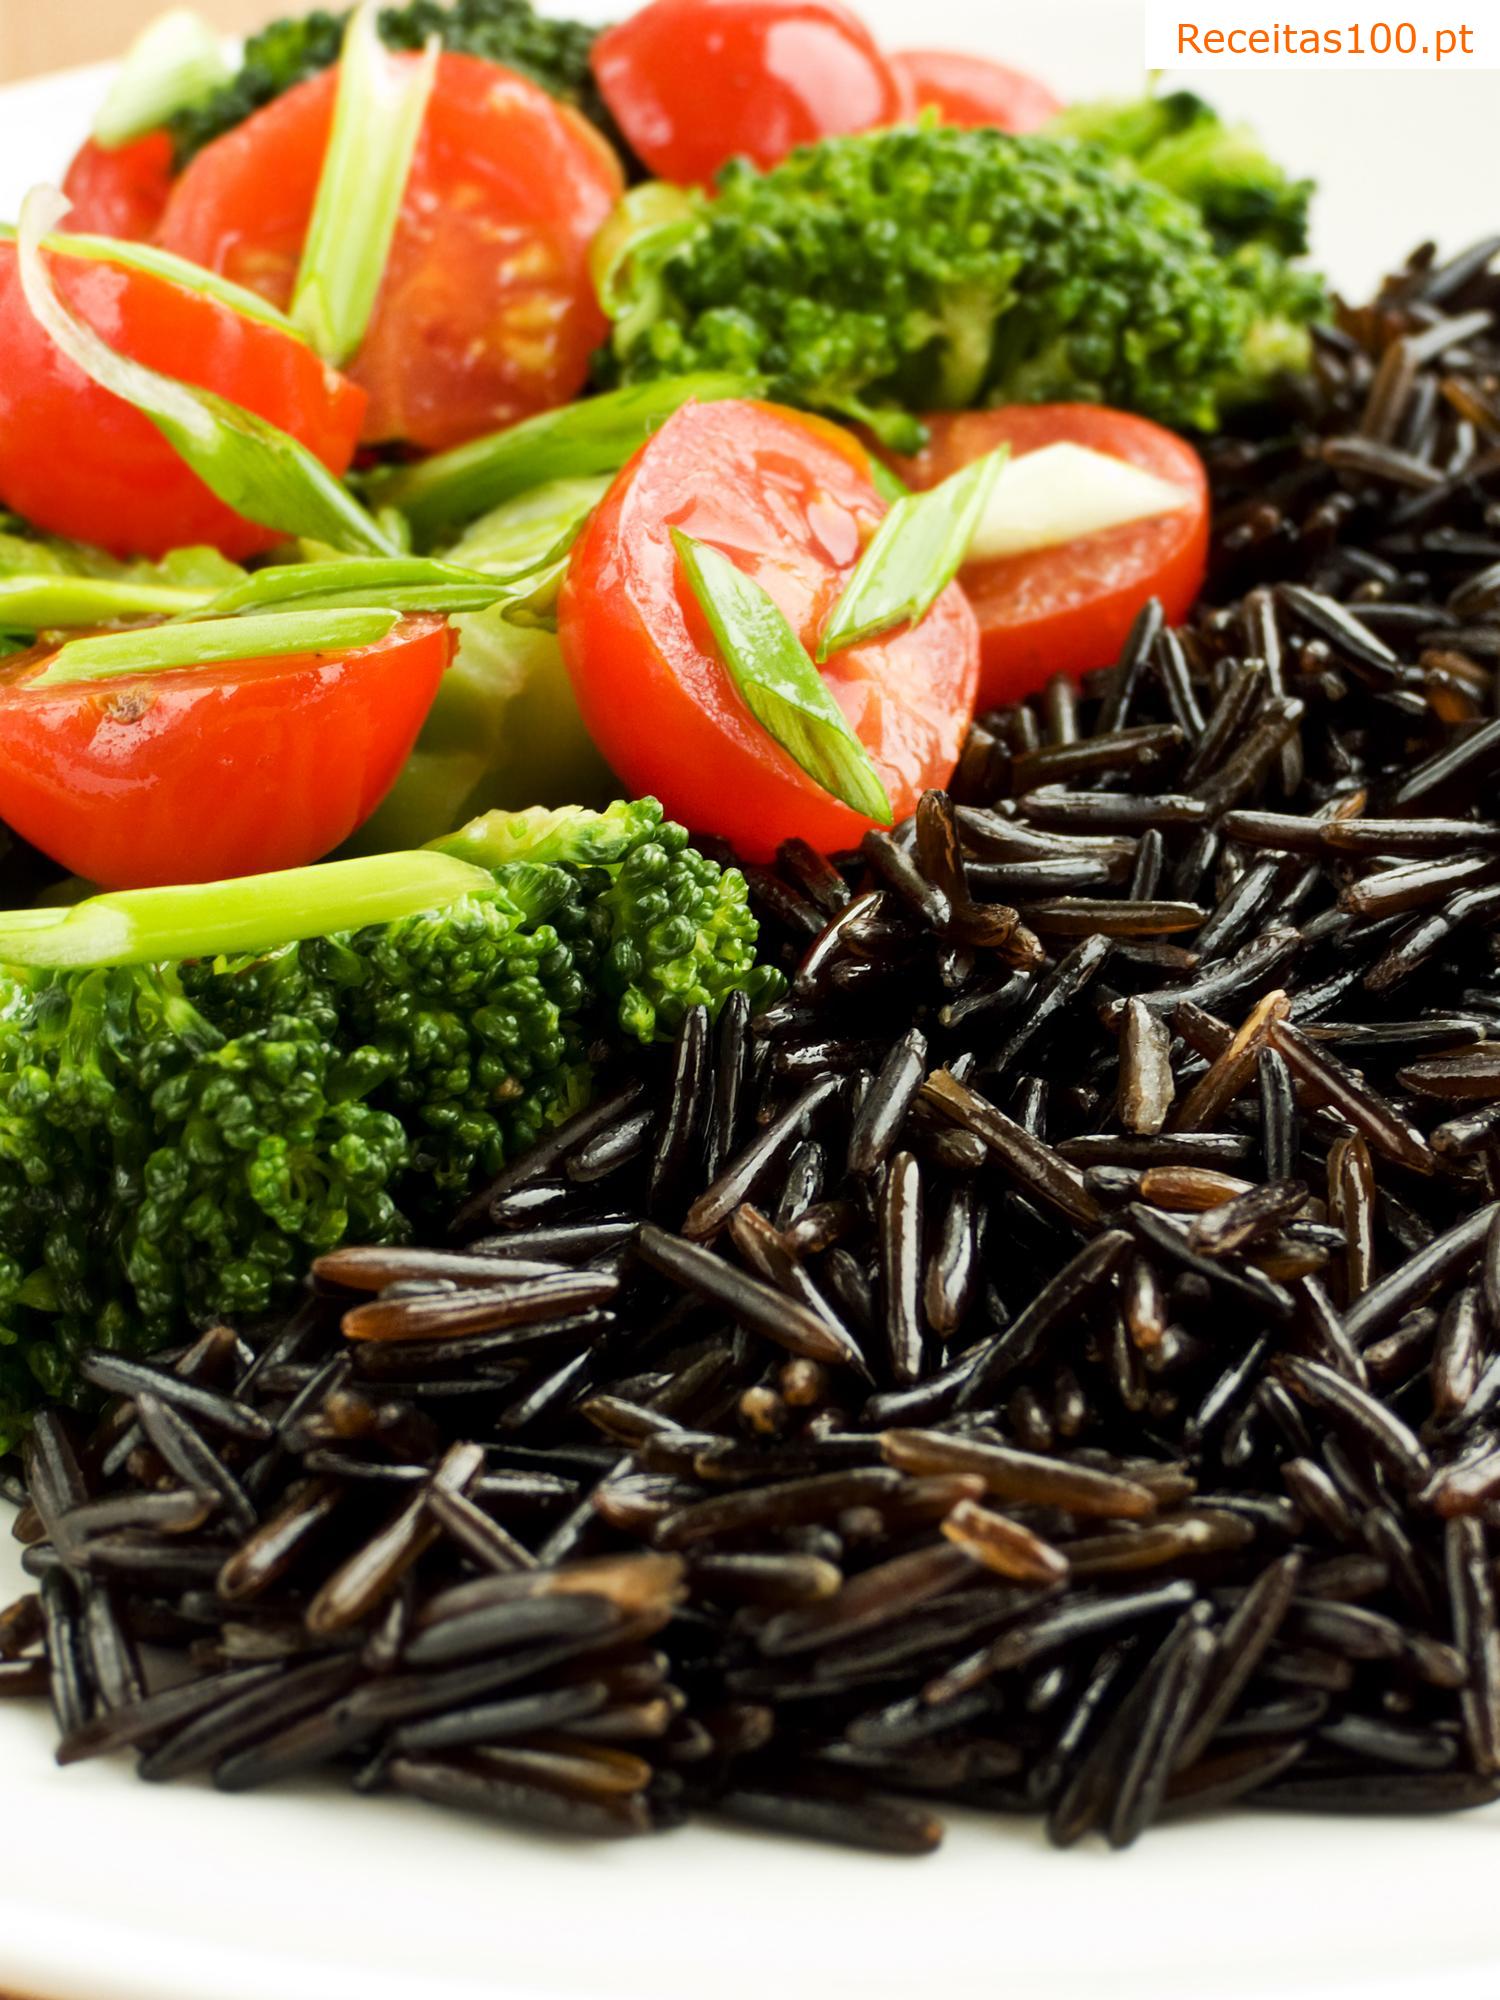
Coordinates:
<point>258,470</point>
<point>395,583</point>
<point>916,552</point>
<point>777,681</point>
<point>163,264</point>
<point>157,649</point>
<point>444,493</point>
<point>48,600</point>
<point>175,61</point>
<point>377,121</point>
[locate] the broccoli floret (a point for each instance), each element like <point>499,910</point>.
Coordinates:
<point>552,53</point>
<point>927,268</point>
<point>200,1089</point>
<point>1181,143</point>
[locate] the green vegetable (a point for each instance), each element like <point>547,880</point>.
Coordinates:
<point>203,642</point>
<point>49,584</point>
<point>777,681</point>
<point>176,61</point>
<point>162,264</point>
<point>377,120</point>
<point>930,268</point>
<point>578,441</point>
<point>554,54</point>
<point>504,729</point>
<point>917,551</point>
<point>260,471</point>
<point>1183,145</point>
<point>398,583</point>
<point>202,1087</point>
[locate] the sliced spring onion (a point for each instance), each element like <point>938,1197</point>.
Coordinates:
<point>377,121</point>
<point>165,264</point>
<point>390,583</point>
<point>252,466</point>
<point>777,681</point>
<point>44,601</point>
<point>915,554</point>
<point>254,913</point>
<point>205,642</point>
<point>889,485</point>
<point>576,442</point>
<point>1064,492</point>
<point>657,214</point>
<point>176,60</point>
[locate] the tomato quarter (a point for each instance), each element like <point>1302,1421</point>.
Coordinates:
<point>968,90</point>
<point>789,499</point>
<point>487,312</point>
<point>693,83</point>
<point>1067,609</point>
<point>80,462</point>
<point>120,191</point>
<point>196,774</point>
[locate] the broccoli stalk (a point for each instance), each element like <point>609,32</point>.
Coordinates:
<point>890,272</point>
<point>203,1087</point>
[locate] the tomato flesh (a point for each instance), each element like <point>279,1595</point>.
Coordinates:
<point>1068,609</point>
<point>80,462</point>
<point>487,313</point>
<point>790,501</point>
<point>120,191</point>
<point>197,774</point>
<point>970,90</point>
<point>693,83</point>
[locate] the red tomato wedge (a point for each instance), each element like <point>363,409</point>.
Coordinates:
<point>196,774</point>
<point>968,90</point>
<point>789,499</point>
<point>120,191</point>
<point>1067,609</point>
<point>693,83</point>
<point>487,313</point>
<point>80,462</point>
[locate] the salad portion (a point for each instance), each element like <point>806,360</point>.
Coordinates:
<point>450,416</point>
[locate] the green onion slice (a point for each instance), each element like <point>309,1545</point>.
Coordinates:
<point>252,466</point>
<point>176,60</point>
<point>442,494</point>
<point>778,683</point>
<point>917,551</point>
<point>377,121</point>
<point>167,265</point>
<point>208,642</point>
<point>391,583</point>
<point>43,601</point>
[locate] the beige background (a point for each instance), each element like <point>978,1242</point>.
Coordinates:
<point>49,34</point>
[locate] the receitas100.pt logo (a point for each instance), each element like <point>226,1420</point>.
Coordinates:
<point>1328,35</point>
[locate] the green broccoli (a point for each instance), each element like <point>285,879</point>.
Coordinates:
<point>926,268</point>
<point>201,1088</point>
<point>1181,143</point>
<point>552,53</point>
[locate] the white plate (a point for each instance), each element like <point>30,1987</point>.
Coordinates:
<point>111,1890</point>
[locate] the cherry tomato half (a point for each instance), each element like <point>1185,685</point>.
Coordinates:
<point>789,499</point>
<point>487,312</point>
<point>1064,610</point>
<point>80,462</point>
<point>969,90</point>
<point>196,774</point>
<point>120,191</point>
<point>693,83</point>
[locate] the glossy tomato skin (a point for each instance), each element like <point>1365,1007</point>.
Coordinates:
<point>693,83</point>
<point>200,774</point>
<point>969,90</point>
<point>487,313</point>
<point>80,462</point>
<point>120,191</point>
<point>1068,609</point>
<point>790,500</point>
